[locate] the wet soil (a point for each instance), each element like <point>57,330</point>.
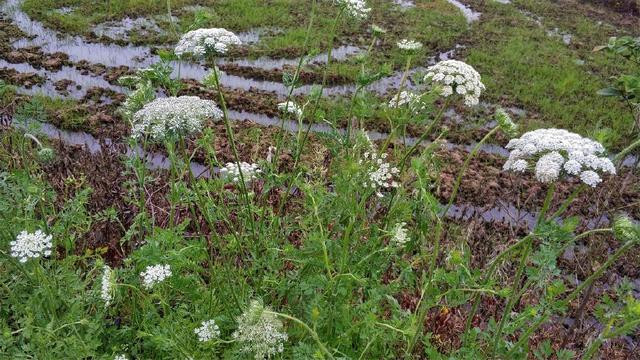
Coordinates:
<point>26,80</point>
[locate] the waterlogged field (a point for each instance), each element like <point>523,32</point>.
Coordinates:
<point>349,179</point>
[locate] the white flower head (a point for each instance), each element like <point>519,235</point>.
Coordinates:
<point>154,274</point>
<point>291,108</point>
<point>559,152</point>
<point>106,290</point>
<point>409,45</point>
<point>31,245</point>
<point>355,8</point>
<point>202,41</point>
<point>399,235</point>
<point>406,98</point>
<point>249,172</point>
<point>208,330</point>
<point>379,174</point>
<point>260,332</point>
<point>457,77</point>
<point>121,357</point>
<point>173,116</point>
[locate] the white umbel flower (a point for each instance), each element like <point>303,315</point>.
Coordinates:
<point>249,172</point>
<point>409,45</point>
<point>379,173</point>
<point>121,357</point>
<point>457,77</point>
<point>31,245</point>
<point>413,101</point>
<point>173,116</point>
<point>209,330</point>
<point>355,8</point>
<point>559,152</point>
<point>106,290</point>
<point>154,274</point>
<point>291,108</point>
<point>202,41</point>
<point>399,235</point>
<point>260,333</point>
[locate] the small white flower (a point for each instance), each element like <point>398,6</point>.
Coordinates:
<point>121,357</point>
<point>259,332</point>
<point>548,167</point>
<point>199,42</point>
<point>413,101</point>
<point>249,172</point>
<point>173,116</point>
<point>207,331</point>
<point>31,245</point>
<point>291,108</point>
<point>559,151</point>
<point>459,78</point>
<point>155,274</point>
<point>379,174</point>
<point>106,292</point>
<point>590,178</point>
<point>399,235</point>
<point>355,8</point>
<point>409,45</point>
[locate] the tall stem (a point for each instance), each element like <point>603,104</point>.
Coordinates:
<point>626,151</point>
<point>465,166</point>
<point>295,79</point>
<point>313,334</point>
<point>236,155</point>
<point>300,146</point>
<point>515,296</point>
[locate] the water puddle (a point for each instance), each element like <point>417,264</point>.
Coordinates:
<point>467,12</point>
<point>266,63</point>
<point>84,82</point>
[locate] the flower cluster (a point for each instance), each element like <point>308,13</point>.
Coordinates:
<point>291,108</point>
<point>559,151</point>
<point>409,45</point>
<point>173,116</point>
<point>260,332</point>
<point>413,101</point>
<point>106,291</point>
<point>121,357</point>
<point>31,245</point>
<point>202,41</point>
<point>379,172</point>
<point>154,274</point>
<point>207,331</point>
<point>399,234</point>
<point>356,8</point>
<point>457,77</point>
<point>249,172</point>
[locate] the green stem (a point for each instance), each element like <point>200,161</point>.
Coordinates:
<point>572,296</point>
<point>295,79</point>
<point>236,155</point>
<point>465,166</point>
<point>423,307</point>
<point>626,151</point>
<point>313,334</point>
<point>513,297</point>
